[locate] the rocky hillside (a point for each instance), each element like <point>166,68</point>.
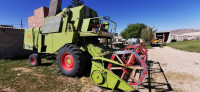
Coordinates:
<point>182,31</point>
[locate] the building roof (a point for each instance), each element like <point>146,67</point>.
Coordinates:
<point>9,28</point>
<point>164,32</point>
<point>6,26</point>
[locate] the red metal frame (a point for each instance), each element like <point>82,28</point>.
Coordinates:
<point>129,59</point>
<point>139,48</point>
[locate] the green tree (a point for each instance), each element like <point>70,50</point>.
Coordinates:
<point>147,35</point>
<point>76,3</point>
<point>133,31</point>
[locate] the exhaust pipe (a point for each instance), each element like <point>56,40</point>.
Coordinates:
<point>55,7</point>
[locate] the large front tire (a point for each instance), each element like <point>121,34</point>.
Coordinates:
<point>70,60</point>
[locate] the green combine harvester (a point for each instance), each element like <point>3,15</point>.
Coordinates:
<point>80,38</point>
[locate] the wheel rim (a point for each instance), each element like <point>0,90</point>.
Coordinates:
<point>33,61</point>
<point>67,61</point>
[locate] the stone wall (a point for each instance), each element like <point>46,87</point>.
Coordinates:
<point>38,19</point>
<point>11,44</point>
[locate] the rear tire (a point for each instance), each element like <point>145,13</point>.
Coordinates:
<point>70,60</point>
<point>34,60</point>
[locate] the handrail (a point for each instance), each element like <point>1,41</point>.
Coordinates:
<point>108,19</point>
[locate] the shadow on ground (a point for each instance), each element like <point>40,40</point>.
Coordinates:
<point>47,64</point>
<point>151,84</point>
<point>156,45</point>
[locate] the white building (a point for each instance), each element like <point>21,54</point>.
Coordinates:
<point>188,36</point>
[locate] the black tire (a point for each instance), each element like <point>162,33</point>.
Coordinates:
<point>34,60</point>
<point>70,60</point>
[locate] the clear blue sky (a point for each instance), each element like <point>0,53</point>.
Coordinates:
<point>163,14</point>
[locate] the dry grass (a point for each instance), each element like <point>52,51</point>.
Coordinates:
<point>16,75</point>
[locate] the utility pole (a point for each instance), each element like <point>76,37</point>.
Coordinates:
<point>21,24</point>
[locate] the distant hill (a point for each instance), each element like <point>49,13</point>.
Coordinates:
<point>182,31</point>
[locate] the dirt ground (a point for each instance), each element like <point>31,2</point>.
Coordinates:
<point>172,70</point>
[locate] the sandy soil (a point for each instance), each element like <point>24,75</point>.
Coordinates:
<point>173,70</point>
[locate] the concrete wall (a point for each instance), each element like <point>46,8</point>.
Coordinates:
<point>188,36</point>
<point>11,44</point>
